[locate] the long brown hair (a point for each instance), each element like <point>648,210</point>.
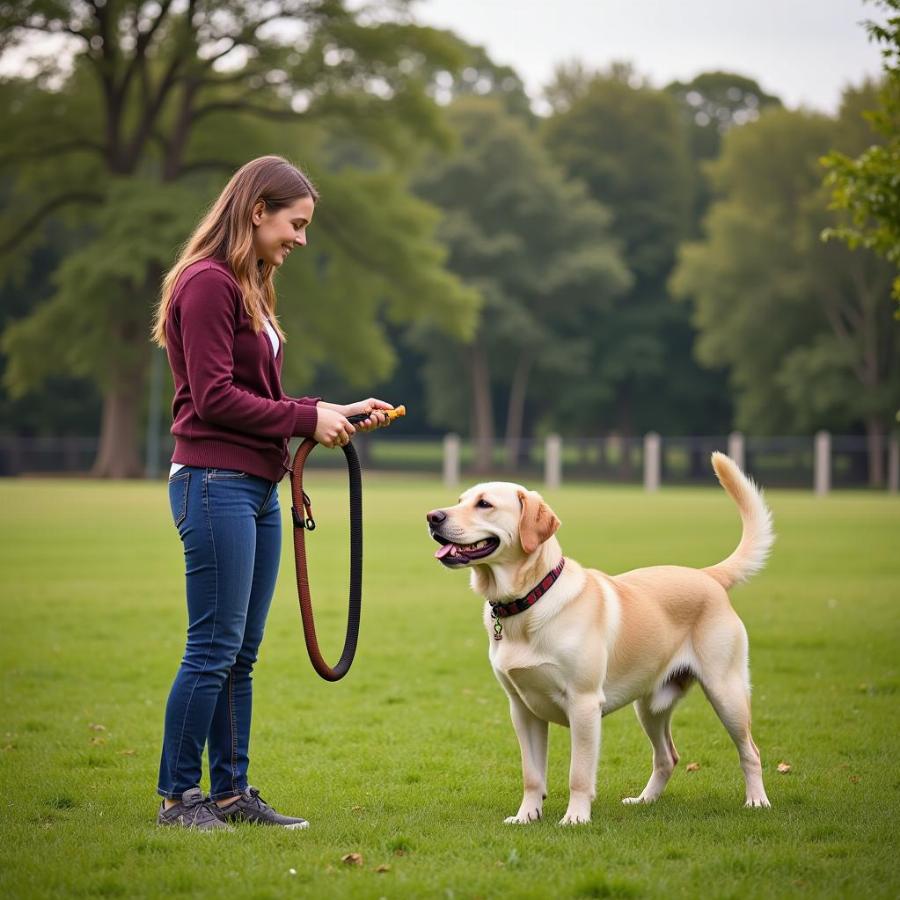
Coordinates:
<point>226,232</point>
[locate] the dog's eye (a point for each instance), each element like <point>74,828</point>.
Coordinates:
<point>483,504</point>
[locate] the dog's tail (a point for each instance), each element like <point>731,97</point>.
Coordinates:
<point>757,537</point>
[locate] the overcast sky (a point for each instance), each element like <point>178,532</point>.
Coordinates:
<point>804,51</point>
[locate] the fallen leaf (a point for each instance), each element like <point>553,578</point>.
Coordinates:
<point>96,741</point>
<point>95,727</point>
<point>854,779</point>
<point>357,808</point>
<point>384,867</point>
<point>784,768</point>
<point>352,859</point>
<point>692,767</point>
<point>9,747</point>
<point>128,753</point>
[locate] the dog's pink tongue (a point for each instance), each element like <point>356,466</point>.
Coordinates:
<point>440,554</point>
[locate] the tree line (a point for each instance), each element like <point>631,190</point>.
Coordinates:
<point>639,258</point>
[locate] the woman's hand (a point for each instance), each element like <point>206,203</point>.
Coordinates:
<point>332,427</point>
<point>373,407</point>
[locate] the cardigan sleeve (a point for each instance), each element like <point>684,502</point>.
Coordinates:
<point>208,306</point>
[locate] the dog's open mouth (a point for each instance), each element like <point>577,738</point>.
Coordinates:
<point>460,554</point>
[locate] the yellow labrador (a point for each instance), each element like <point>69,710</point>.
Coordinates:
<point>571,644</point>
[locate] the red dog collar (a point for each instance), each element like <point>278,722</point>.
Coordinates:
<point>514,607</point>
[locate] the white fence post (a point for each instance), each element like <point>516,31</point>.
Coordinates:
<point>553,461</point>
<point>736,448</point>
<point>894,464</point>
<point>822,470</point>
<point>451,460</point>
<point>652,460</point>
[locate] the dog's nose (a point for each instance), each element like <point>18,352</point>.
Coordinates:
<point>436,517</point>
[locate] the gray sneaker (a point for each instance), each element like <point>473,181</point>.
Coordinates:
<point>192,812</point>
<point>250,807</point>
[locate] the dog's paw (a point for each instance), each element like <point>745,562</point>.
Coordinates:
<point>643,798</point>
<point>575,819</point>
<point>761,802</point>
<point>523,818</point>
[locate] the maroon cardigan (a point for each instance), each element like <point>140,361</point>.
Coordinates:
<point>229,409</point>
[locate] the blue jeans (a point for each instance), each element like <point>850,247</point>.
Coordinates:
<point>230,525</point>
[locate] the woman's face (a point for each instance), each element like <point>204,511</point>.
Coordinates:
<point>276,232</point>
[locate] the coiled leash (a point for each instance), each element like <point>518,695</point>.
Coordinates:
<point>301,511</point>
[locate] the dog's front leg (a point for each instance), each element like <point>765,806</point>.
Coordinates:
<point>532,734</point>
<point>584,723</point>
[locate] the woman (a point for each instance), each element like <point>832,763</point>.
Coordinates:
<point>232,421</point>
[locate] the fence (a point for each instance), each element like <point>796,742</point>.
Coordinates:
<point>822,462</point>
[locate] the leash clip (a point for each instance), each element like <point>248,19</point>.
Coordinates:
<point>309,523</point>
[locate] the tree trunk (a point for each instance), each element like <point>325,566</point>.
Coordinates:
<point>516,410</point>
<point>118,455</point>
<point>626,430</point>
<point>483,418</point>
<point>875,448</point>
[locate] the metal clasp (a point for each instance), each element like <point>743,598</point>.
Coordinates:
<point>299,522</point>
<point>498,625</point>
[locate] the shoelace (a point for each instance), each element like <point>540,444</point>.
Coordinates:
<point>199,810</point>
<point>260,803</point>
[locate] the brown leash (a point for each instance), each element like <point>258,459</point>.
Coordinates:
<point>302,513</point>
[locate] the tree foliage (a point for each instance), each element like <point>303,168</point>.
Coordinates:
<point>803,327</point>
<point>867,186</point>
<point>711,104</point>
<point>627,143</point>
<point>162,102</point>
<point>538,250</point>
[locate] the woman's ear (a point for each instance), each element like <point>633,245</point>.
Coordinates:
<point>537,521</point>
<point>258,209</point>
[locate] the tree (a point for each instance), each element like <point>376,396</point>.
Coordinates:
<point>164,100</point>
<point>712,104</point>
<point>540,253</point>
<point>867,186</point>
<point>480,76</point>
<point>626,142</point>
<point>804,328</point>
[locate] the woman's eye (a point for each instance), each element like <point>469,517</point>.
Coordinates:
<point>483,504</point>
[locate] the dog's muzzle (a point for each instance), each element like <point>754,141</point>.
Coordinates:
<point>452,554</point>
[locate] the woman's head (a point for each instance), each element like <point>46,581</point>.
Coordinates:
<point>258,218</point>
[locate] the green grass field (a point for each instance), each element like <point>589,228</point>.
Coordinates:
<point>411,761</point>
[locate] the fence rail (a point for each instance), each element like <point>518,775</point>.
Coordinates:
<point>821,462</point>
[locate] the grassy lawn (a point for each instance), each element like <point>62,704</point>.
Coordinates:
<point>411,761</point>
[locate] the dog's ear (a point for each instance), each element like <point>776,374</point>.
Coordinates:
<point>537,521</point>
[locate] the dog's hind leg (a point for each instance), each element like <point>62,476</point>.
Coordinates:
<point>665,757</point>
<point>532,734</point>
<point>730,699</point>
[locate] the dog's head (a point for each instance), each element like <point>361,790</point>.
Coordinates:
<point>495,522</point>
